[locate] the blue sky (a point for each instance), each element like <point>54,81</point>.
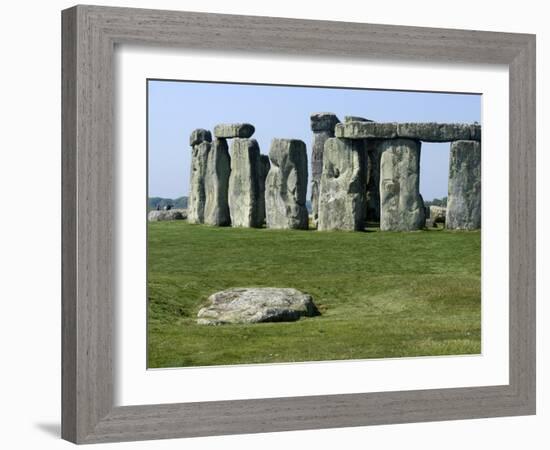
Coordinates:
<point>178,107</point>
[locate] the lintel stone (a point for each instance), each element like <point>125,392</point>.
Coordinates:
<point>324,121</point>
<point>199,136</point>
<point>234,130</point>
<point>366,130</point>
<point>434,132</point>
<point>356,119</point>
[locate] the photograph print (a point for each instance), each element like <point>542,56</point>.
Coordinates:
<point>294,224</point>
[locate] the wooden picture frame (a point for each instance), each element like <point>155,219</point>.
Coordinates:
<point>90,34</point>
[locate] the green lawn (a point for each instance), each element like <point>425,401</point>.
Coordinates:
<point>381,294</point>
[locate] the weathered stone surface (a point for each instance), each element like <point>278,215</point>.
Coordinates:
<point>254,305</point>
<point>464,200</point>
<point>199,135</point>
<point>437,215</point>
<point>197,194</point>
<point>401,205</point>
<point>234,130</point>
<point>342,199</point>
<point>366,130</point>
<point>373,179</point>
<point>246,204</point>
<point>475,132</point>
<point>286,185</point>
<point>265,166</point>
<point>428,132</point>
<point>324,121</point>
<point>319,139</point>
<point>434,132</point>
<point>218,169</point>
<point>171,214</point>
<point>322,125</point>
<point>356,119</point>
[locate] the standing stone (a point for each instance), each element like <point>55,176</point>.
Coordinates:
<point>286,185</point>
<point>265,165</point>
<point>245,184</point>
<point>401,205</point>
<point>200,143</point>
<point>218,168</point>
<point>372,147</point>
<point>342,199</point>
<point>322,125</point>
<point>464,201</point>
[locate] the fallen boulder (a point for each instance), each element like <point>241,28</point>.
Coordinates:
<point>171,214</point>
<point>254,305</point>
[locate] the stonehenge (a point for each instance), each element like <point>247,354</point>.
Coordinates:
<point>464,201</point>
<point>286,185</point>
<point>362,173</point>
<point>401,206</point>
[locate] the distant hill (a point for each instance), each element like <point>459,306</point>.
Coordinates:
<point>153,202</point>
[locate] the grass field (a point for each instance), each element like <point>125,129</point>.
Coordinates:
<point>381,294</point>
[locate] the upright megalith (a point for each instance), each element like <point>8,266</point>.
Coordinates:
<point>373,154</point>
<point>246,204</point>
<point>200,141</point>
<point>322,125</point>
<point>234,130</point>
<point>372,158</point>
<point>286,185</point>
<point>265,165</point>
<point>218,169</point>
<point>464,200</point>
<point>401,205</point>
<point>342,199</point>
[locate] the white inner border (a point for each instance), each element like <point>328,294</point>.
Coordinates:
<point>134,384</point>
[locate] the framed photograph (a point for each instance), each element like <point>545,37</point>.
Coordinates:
<point>278,224</point>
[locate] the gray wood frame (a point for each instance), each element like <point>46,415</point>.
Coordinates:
<point>89,36</point>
